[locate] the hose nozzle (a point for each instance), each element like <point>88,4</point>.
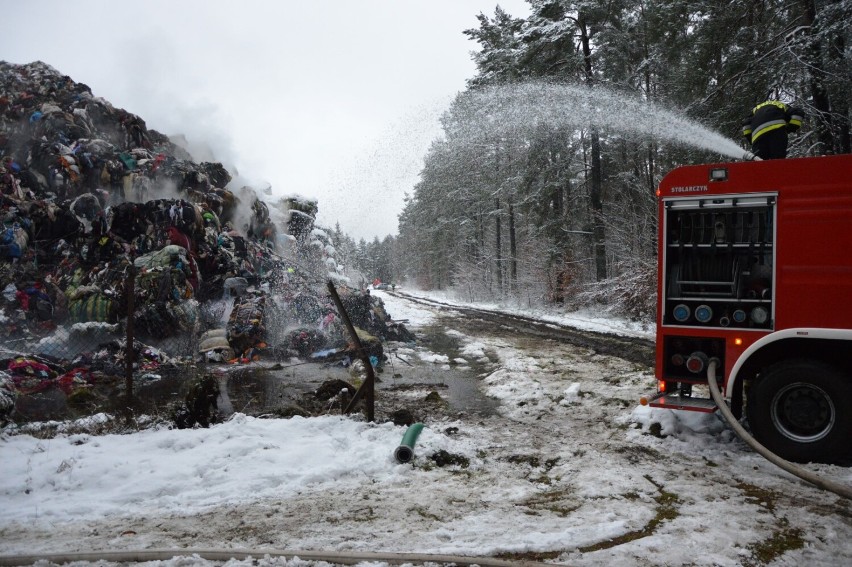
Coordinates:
<point>748,156</point>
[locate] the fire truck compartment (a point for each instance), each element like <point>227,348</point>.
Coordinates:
<point>719,259</point>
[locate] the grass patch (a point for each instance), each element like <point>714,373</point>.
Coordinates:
<point>423,513</point>
<point>758,496</point>
<point>781,541</point>
<point>553,501</point>
<point>667,509</point>
<point>783,538</point>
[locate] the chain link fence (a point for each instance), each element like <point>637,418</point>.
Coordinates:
<point>68,351</point>
<point>66,341</point>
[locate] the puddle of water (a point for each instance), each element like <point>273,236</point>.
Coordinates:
<point>152,395</point>
<point>459,384</point>
<point>264,387</point>
<point>258,390</point>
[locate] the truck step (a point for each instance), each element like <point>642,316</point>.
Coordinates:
<point>687,403</point>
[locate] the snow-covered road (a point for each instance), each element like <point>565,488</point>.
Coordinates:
<point>569,470</point>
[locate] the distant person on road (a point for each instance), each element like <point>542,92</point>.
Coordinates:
<point>767,127</point>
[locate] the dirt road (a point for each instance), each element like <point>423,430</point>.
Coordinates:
<point>554,462</point>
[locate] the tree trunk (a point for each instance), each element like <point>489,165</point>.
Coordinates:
<point>821,101</point>
<point>498,250</point>
<point>597,209</point>
<point>595,190</point>
<point>481,249</point>
<point>513,248</point>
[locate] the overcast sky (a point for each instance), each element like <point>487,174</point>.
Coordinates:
<point>332,99</point>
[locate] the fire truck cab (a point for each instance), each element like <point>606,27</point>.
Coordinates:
<point>755,271</point>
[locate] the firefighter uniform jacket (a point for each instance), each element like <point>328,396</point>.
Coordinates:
<point>771,115</point>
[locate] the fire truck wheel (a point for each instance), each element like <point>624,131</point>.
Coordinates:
<point>801,410</point>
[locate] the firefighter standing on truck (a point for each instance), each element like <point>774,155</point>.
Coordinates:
<point>767,127</point>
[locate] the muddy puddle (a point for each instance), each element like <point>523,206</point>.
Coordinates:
<point>436,363</point>
<point>410,373</point>
<point>399,386</point>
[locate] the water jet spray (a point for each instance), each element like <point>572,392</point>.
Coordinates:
<point>502,110</point>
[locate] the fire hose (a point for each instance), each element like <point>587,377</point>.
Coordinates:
<point>804,474</point>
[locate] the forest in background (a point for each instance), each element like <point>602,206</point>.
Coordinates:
<point>556,212</point>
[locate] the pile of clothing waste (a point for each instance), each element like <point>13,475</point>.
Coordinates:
<point>104,218</point>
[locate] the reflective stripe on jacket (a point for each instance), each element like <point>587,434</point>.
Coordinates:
<point>771,115</point>
<point>796,118</point>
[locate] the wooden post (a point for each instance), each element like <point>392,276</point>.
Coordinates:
<point>129,353</point>
<point>367,389</point>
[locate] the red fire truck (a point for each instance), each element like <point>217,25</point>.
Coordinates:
<point>755,271</point>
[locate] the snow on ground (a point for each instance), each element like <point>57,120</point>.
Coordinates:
<point>585,319</point>
<point>414,315</point>
<point>568,463</point>
<point>80,477</point>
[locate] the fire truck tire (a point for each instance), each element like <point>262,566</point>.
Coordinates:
<point>802,411</point>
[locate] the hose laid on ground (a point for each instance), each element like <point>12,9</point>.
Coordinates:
<point>345,558</point>
<point>405,451</point>
<point>804,474</point>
